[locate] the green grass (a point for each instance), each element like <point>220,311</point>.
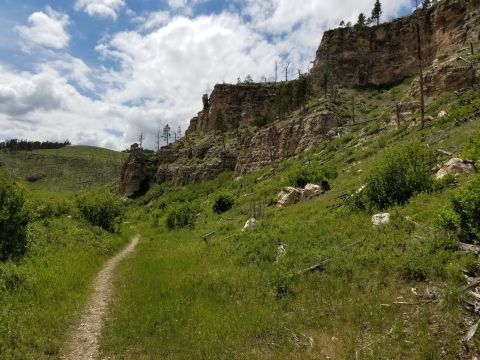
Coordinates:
<point>68,169</point>
<point>42,295</point>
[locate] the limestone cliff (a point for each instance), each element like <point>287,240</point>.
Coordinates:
<point>386,54</point>
<point>234,104</point>
<point>134,172</point>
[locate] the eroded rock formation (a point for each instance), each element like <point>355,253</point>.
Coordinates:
<point>134,172</point>
<point>386,54</point>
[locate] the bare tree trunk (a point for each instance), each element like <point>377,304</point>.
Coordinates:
<point>286,72</point>
<point>353,109</point>
<point>422,95</point>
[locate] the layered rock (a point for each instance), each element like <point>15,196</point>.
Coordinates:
<point>386,54</point>
<point>134,172</point>
<point>234,104</point>
<point>285,140</point>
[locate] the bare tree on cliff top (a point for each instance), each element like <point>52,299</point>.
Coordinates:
<point>166,133</point>
<point>377,12</point>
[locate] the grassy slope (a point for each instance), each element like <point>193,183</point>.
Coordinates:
<point>42,294</point>
<point>69,169</point>
<point>180,298</point>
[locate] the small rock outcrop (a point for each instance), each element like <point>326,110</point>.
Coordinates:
<point>291,196</point>
<point>250,224</point>
<point>455,167</point>
<point>134,172</point>
<point>380,219</point>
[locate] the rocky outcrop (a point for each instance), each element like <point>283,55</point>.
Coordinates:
<point>134,172</point>
<point>386,54</point>
<point>455,167</point>
<point>283,141</point>
<point>234,104</point>
<point>291,196</point>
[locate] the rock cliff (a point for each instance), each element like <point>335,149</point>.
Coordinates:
<point>386,54</point>
<point>134,172</point>
<point>234,104</point>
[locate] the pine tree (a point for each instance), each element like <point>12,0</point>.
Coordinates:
<point>377,12</point>
<point>362,20</point>
<point>166,133</point>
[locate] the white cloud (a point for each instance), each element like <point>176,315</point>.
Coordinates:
<point>46,29</point>
<point>103,8</point>
<point>162,68</point>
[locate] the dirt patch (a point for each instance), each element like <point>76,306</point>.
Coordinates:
<point>83,343</point>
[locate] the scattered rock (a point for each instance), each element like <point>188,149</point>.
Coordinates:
<point>336,132</point>
<point>250,224</point>
<point>380,219</point>
<point>442,114</point>
<point>456,167</point>
<point>289,196</point>
<point>311,190</point>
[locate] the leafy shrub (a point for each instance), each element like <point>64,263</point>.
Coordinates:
<point>14,218</point>
<point>182,216</point>
<point>223,203</point>
<point>472,148</point>
<point>311,174</point>
<point>466,206</point>
<point>401,173</point>
<point>100,208</point>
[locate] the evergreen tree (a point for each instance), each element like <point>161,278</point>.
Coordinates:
<point>362,20</point>
<point>166,133</point>
<point>426,4</point>
<point>377,12</point>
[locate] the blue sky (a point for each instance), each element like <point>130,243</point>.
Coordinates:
<point>100,72</point>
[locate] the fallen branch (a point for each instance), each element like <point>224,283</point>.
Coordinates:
<point>206,236</point>
<point>444,152</point>
<point>471,332</point>
<point>469,248</point>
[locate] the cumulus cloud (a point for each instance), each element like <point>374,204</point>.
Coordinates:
<point>161,69</point>
<point>103,8</point>
<point>46,29</point>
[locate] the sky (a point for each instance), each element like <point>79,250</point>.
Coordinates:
<point>101,72</point>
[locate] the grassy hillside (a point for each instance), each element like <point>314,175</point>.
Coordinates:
<point>227,295</point>
<point>68,169</point>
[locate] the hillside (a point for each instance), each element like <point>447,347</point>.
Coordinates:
<point>72,168</point>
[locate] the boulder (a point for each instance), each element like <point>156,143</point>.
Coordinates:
<point>380,219</point>
<point>289,196</point>
<point>250,224</point>
<point>455,167</point>
<point>442,114</point>
<point>336,132</point>
<point>312,190</point>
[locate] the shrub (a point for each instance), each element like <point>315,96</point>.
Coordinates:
<point>466,205</point>
<point>311,174</point>
<point>223,203</point>
<point>100,208</point>
<point>401,173</point>
<point>472,148</point>
<point>14,218</point>
<point>182,216</point>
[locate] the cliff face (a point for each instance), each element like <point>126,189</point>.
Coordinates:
<point>134,172</point>
<point>234,104</point>
<point>386,54</point>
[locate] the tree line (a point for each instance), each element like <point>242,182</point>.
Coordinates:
<point>21,144</point>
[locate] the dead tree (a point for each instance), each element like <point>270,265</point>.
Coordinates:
<point>422,95</point>
<point>286,71</point>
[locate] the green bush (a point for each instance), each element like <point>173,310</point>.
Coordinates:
<point>182,216</point>
<point>401,173</point>
<point>311,174</point>
<point>14,218</point>
<point>472,148</point>
<point>223,203</point>
<point>100,208</point>
<point>466,206</point>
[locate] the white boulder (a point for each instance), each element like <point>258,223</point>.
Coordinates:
<point>250,224</point>
<point>312,190</point>
<point>380,219</point>
<point>289,196</point>
<point>455,166</point>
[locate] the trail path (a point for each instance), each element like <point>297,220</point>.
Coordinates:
<point>83,343</point>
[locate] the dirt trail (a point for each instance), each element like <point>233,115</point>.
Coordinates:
<point>83,343</point>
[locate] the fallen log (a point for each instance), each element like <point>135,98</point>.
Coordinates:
<point>469,248</point>
<point>444,152</point>
<point>471,332</point>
